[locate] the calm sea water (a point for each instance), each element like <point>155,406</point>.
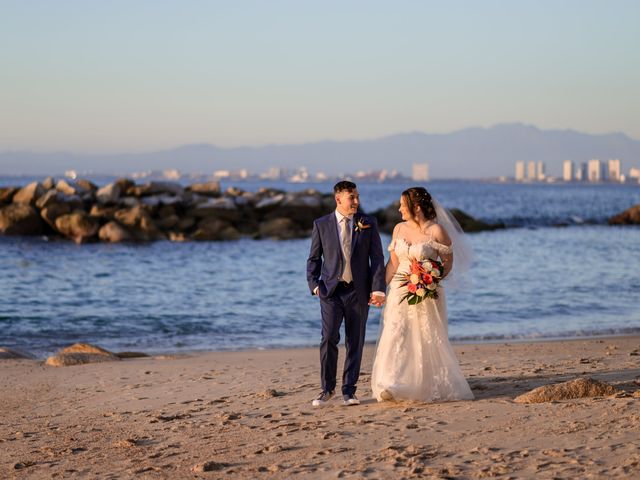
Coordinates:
<point>532,281</point>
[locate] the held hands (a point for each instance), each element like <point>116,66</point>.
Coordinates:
<point>377,300</point>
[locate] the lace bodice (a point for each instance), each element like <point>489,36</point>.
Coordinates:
<point>420,250</point>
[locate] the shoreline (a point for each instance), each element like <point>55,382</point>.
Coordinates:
<point>633,332</point>
<point>247,414</point>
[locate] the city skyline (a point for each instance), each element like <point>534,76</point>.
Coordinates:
<point>468,153</point>
<point>147,76</point>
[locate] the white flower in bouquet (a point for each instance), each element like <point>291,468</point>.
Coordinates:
<point>435,273</point>
<point>432,286</point>
<point>421,292</point>
<point>415,278</point>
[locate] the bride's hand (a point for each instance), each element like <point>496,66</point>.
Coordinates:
<point>377,300</point>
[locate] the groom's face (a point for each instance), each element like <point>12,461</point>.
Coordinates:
<point>347,202</point>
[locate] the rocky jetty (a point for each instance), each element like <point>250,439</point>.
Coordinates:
<point>124,211</point>
<point>631,216</point>
<point>390,216</point>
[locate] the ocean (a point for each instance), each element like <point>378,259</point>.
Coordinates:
<point>558,272</point>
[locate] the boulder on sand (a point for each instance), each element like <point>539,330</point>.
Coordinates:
<point>80,353</point>
<point>13,354</point>
<point>578,388</point>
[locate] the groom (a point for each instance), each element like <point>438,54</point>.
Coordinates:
<point>345,269</point>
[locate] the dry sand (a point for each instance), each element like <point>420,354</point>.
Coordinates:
<point>248,415</point>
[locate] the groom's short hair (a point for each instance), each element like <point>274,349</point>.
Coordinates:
<point>344,185</point>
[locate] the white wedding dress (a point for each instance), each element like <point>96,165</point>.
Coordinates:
<point>414,359</point>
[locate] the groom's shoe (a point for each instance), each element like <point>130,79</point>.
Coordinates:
<point>322,399</point>
<point>350,399</point>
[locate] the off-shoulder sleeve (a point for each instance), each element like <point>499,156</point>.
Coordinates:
<point>442,249</point>
<point>394,236</point>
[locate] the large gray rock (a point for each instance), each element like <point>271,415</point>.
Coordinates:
<point>125,185</point>
<point>69,188</point>
<point>215,229</point>
<point>208,189</point>
<point>269,202</point>
<point>279,228</point>
<point>109,194</point>
<point>631,216</point>
<point>158,188</point>
<point>50,197</point>
<point>78,226</point>
<point>170,222</point>
<point>470,224</point>
<point>14,354</point>
<point>86,185</point>
<point>139,222</point>
<point>19,219</point>
<point>48,183</point>
<point>52,212</point>
<point>28,195</point>
<point>102,212</point>
<point>579,388</point>
<point>6,194</point>
<point>223,208</point>
<point>113,232</point>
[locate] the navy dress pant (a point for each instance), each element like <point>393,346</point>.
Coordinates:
<point>342,305</point>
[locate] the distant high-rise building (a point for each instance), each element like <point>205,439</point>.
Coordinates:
<point>519,171</point>
<point>420,172</point>
<point>595,172</point>
<point>531,171</point>
<point>222,173</point>
<point>581,172</point>
<point>567,171</point>
<point>273,173</point>
<point>613,170</point>
<point>540,175</point>
<point>634,174</point>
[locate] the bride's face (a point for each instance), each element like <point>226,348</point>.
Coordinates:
<point>404,210</point>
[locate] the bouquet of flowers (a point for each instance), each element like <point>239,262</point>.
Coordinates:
<point>422,280</point>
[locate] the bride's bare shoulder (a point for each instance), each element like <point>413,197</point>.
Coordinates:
<point>399,226</point>
<point>439,234</point>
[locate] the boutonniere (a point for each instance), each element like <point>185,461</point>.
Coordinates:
<point>360,225</point>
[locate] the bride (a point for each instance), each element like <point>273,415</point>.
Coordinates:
<point>414,359</point>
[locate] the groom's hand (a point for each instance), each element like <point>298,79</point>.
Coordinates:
<point>377,300</point>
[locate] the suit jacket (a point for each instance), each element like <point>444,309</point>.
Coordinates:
<point>326,262</point>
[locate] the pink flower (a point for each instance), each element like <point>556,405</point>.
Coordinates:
<point>412,288</point>
<point>427,278</point>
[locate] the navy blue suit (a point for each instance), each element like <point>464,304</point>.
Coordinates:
<point>340,302</point>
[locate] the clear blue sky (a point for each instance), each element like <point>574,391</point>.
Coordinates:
<point>133,75</point>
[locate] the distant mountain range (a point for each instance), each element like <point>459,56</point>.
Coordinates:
<point>468,153</point>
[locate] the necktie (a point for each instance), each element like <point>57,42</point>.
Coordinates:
<point>346,250</point>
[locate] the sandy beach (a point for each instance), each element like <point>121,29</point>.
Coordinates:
<point>248,415</point>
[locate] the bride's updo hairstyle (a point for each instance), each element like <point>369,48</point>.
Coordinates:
<point>419,197</point>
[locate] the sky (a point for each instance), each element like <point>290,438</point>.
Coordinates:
<point>133,76</point>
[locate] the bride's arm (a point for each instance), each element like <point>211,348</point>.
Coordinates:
<point>441,236</point>
<point>392,267</point>
<point>392,264</point>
